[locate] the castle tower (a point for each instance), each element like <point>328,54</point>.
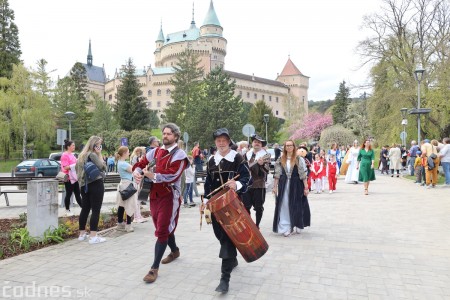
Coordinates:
<point>298,85</point>
<point>212,32</point>
<point>159,43</point>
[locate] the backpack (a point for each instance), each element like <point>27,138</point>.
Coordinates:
<point>91,172</point>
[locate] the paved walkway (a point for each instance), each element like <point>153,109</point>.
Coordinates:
<point>392,244</point>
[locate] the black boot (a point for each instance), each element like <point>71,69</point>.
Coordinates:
<point>227,266</point>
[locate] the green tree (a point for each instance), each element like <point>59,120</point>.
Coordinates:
<point>154,121</point>
<point>9,40</point>
<point>103,118</point>
<point>403,35</point>
<point>30,113</point>
<point>256,118</point>
<point>357,119</point>
<point>138,138</point>
<point>187,87</point>
<point>41,78</point>
<point>132,112</point>
<point>216,108</point>
<point>111,139</point>
<point>336,134</point>
<point>341,104</point>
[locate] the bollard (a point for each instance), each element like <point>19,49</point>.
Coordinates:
<point>42,206</point>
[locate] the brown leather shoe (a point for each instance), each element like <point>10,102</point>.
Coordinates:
<point>171,257</point>
<point>151,276</point>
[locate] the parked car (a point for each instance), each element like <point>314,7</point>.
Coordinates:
<point>57,156</point>
<point>37,168</point>
<point>272,157</point>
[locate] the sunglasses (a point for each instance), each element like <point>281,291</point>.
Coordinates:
<point>98,147</point>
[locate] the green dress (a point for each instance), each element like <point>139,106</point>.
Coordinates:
<point>366,172</point>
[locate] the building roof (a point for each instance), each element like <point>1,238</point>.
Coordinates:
<point>211,17</point>
<point>254,78</point>
<point>191,34</point>
<point>95,73</point>
<point>163,70</point>
<point>290,69</point>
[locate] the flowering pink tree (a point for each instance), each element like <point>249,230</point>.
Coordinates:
<point>310,127</point>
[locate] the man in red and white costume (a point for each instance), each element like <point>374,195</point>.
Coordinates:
<point>165,193</point>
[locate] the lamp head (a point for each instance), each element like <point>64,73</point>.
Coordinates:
<point>266,118</point>
<point>403,111</point>
<point>69,115</point>
<point>418,73</point>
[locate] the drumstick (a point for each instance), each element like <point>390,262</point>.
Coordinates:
<point>221,187</point>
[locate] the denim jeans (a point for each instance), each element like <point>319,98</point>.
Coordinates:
<point>446,167</point>
<point>188,192</point>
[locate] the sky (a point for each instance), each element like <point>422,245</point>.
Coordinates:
<point>320,36</point>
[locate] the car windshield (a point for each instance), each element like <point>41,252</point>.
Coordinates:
<point>27,163</point>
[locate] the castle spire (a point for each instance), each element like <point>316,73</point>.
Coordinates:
<point>193,21</point>
<point>89,56</point>
<point>160,35</point>
<point>211,16</point>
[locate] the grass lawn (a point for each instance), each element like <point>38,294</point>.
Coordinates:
<point>441,178</point>
<point>7,166</point>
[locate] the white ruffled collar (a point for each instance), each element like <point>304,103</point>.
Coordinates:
<point>230,157</point>
<point>259,154</point>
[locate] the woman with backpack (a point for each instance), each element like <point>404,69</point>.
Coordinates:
<point>92,188</point>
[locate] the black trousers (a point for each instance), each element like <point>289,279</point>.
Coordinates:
<point>72,189</point>
<point>92,200</point>
<point>227,248</point>
<point>255,197</point>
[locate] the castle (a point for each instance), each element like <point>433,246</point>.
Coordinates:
<point>290,88</point>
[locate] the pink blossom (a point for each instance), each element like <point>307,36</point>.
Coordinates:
<point>310,127</point>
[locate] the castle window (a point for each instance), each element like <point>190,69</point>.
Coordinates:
<point>263,97</point>
<point>158,93</point>
<point>255,96</point>
<point>276,99</point>
<point>168,92</point>
<point>149,93</point>
<point>303,98</point>
<point>248,94</point>
<point>149,104</point>
<point>276,112</point>
<point>110,97</point>
<point>158,104</point>
<point>270,98</point>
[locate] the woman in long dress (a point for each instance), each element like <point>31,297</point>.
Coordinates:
<point>352,160</point>
<point>366,158</point>
<point>290,187</point>
<point>395,163</point>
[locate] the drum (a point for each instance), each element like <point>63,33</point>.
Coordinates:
<point>231,214</point>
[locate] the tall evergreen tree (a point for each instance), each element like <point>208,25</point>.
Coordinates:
<point>186,82</point>
<point>341,104</point>
<point>103,118</point>
<point>256,118</point>
<point>217,107</point>
<point>41,78</point>
<point>132,112</point>
<point>9,40</point>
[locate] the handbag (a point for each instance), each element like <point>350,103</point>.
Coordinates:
<point>129,191</point>
<point>62,177</point>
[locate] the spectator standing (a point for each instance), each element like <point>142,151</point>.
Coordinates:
<point>189,179</point>
<point>68,162</point>
<point>418,167</point>
<point>91,192</point>
<point>110,164</point>
<point>395,163</point>
<point>384,156</point>
<point>431,164</point>
<point>444,155</point>
<point>130,206</point>
<point>412,155</point>
<point>277,151</point>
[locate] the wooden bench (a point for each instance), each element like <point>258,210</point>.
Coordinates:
<point>111,181</point>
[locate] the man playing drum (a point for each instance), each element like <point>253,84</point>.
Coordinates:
<point>222,167</point>
<point>165,194</point>
<point>258,161</point>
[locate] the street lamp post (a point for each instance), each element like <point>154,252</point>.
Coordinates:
<point>404,123</point>
<point>266,120</point>
<point>70,116</point>
<point>418,75</point>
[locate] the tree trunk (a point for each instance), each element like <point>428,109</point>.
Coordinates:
<point>24,142</point>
